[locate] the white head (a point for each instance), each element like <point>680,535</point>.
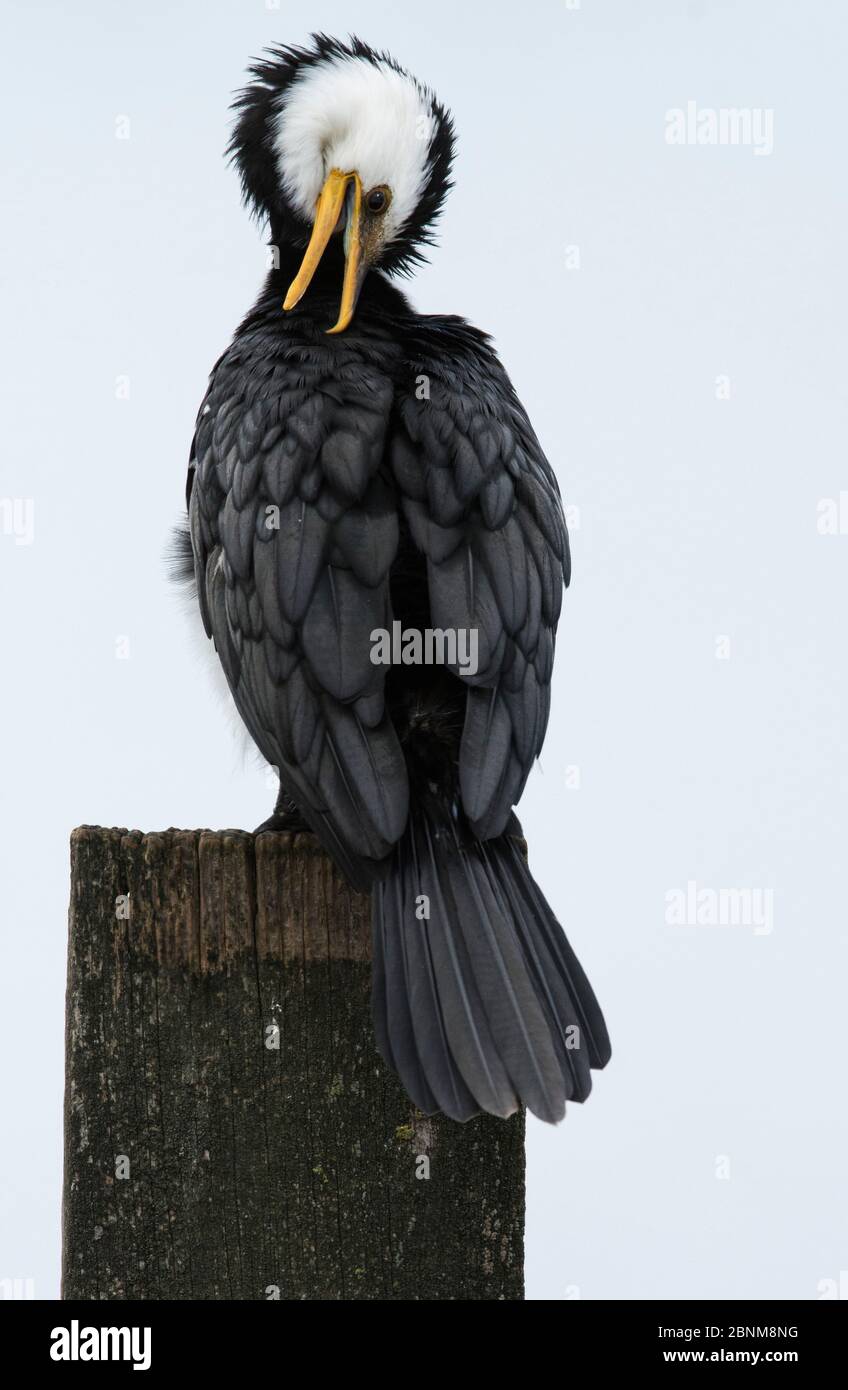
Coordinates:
<point>360,116</point>
<point>339,137</point>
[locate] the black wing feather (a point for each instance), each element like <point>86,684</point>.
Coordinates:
<point>294,535</point>
<point>483,506</point>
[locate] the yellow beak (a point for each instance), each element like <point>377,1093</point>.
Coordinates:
<point>328,210</point>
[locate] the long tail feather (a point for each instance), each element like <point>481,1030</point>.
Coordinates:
<point>479,1001</point>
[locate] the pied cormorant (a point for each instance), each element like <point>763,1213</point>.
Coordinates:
<point>361,471</point>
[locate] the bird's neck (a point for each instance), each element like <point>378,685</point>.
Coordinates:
<point>321,300</point>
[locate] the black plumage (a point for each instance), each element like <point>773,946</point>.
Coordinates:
<point>328,495</point>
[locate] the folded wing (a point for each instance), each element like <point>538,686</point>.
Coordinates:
<point>294,532</point>
<point>483,506</point>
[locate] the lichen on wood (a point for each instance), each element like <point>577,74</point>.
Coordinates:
<point>230,1130</point>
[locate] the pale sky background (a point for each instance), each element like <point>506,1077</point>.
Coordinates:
<point>704,273</point>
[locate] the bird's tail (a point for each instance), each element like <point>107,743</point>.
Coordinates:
<point>479,1001</point>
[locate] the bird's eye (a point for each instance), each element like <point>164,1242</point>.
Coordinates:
<point>377,200</point>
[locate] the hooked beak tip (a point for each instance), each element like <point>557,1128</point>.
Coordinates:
<point>329,208</point>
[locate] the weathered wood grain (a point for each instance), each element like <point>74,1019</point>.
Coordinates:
<point>230,1131</point>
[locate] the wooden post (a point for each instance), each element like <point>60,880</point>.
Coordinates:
<point>230,1130</point>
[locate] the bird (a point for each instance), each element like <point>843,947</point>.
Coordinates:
<point>360,468</point>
